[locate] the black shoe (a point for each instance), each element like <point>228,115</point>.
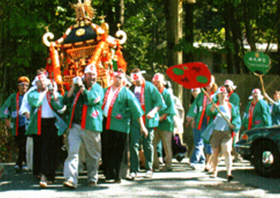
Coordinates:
<point>229,178</point>
<point>118,181</point>
<point>17,168</point>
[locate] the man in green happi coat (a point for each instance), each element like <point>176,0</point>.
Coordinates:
<point>165,128</point>
<point>151,102</point>
<point>257,113</point>
<point>10,112</point>
<point>119,106</point>
<point>85,118</point>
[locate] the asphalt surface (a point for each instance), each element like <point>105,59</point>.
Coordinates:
<point>181,182</point>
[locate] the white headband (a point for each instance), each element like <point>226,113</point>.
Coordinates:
<point>158,77</point>
<point>119,74</point>
<point>90,69</point>
<point>136,76</point>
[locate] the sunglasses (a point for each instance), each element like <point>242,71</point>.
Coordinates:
<point>23,85</point>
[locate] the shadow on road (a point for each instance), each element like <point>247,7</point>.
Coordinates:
<point>182,178</point>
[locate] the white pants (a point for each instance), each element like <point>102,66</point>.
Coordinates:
<point>29,153</point>
<point>92,143</point>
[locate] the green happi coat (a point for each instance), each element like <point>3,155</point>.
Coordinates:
<point>9,110</point>
<point>234,99</point>
<point>36,101</point>
<point>125,107</point>
<point>152,99</point>
<point>261,115</point>
<point>276,114</point>
<point>168,123</point>
<point>196,108</point>
<point>93,99</point>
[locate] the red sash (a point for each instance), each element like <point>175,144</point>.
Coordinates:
<point>142,100</point>
<point>228,97</point>
<point>251,111</point>
<point>161,90</point>
<point>84,111</point>
<point>17,113</point>
<point>203,111</point>
<point>39,115</point>
<point>111,104</point>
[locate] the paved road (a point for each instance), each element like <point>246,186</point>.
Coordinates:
<point>181,182</point>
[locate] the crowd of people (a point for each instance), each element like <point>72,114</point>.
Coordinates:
<point>107,128</point>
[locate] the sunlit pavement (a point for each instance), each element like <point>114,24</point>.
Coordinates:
<point>181,182</point>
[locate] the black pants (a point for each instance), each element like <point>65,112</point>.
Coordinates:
<point>45,149</point>
<point>113,148</point>
<point>21,143</point>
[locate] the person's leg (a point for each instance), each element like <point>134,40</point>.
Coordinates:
<point>106,149</point>
<point>215,160</point>
<point>149,149</point>
<point>198,152</point>
<point>208,152</point>
<point>92,143</point>
<point>118,153</point>
<point>226,147</point>
<point>72,161</point>
<point>37,147</point>
<point>29,152</point>
<point>21,142</point>
<point>134,148</point>
<point>155,144</point>
<point>215,141</point>
<point>166,137</point>
<point>49,149</point>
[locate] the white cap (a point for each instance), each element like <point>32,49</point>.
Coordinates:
<point>258,91</point>
<point>221,90</point>
<point>197,90</point>
<point>90,69</point>
<point>230,84</point>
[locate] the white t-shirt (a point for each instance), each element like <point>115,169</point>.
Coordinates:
<point>46,109</point>
<point>109,99</point>
<point>137,93</point>
<point>220,124</point>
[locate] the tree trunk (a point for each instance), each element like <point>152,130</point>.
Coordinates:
<point>227,19</point>
<point>189,26</point>
<point>173,11</point>
<point>278,35</point>
<point>249,30</point>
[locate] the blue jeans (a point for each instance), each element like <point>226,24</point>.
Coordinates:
<point>198,152</point>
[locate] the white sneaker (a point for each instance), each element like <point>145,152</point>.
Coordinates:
<point>192,166</point>
<point>131,176</point>
<point>149,174</point>
<point>25,168</point>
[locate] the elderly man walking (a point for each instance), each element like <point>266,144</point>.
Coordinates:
<point>85,124</point>
<point>165,128</point>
